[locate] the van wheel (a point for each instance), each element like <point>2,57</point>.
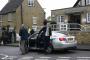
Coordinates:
<point>49,49</point>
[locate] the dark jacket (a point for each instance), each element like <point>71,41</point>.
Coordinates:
<point>43,31</point>
<point>23,33</point>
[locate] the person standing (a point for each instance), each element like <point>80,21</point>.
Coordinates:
<point>4,36</point>
<point>45,34</point>
<point>23,32</point>
<point>32,31</point>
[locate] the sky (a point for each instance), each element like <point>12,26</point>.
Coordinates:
<point>48,5</point>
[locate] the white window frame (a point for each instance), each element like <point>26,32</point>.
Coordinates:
<point>34,20</point>
<point>34,27</point>
<point>60,20</point>
<point>88,17</point>
<point>10,17</point>
<point>83,2</point>
<point>31,3</point>
<point>87,2</point>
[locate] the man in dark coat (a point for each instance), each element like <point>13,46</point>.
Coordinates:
<point>45,34</point>
<point>24,38</point>
<point>4,36</point>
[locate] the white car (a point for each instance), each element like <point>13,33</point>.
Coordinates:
<point>58,41</point>
<point>62,41</point>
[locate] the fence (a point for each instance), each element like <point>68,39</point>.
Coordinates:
<point>70,27</point>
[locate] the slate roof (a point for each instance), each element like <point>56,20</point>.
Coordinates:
<point>11,6</point>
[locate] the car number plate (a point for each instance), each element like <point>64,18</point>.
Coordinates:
<point>70,39</point>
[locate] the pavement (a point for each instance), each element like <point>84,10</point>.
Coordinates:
<point>81,47</point>
<point>12,45</point>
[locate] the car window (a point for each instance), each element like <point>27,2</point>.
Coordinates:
<point>34,35</point>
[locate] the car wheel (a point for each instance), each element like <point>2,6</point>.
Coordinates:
<point>49,49</point>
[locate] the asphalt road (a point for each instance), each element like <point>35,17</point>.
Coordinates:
<point>13,53</point>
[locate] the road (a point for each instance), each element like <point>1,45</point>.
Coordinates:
<point>13,53</point>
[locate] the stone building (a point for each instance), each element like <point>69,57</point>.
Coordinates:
<point>79,14</point>
<point>17,12</point>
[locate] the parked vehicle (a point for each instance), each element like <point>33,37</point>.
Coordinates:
<point>58,41</point>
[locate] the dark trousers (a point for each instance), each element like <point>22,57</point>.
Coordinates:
<point>46,41</point>
<point>4,39</point>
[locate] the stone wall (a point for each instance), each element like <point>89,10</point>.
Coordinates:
<point>83,37</point>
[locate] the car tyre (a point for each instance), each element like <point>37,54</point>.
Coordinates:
<point>49,49</point>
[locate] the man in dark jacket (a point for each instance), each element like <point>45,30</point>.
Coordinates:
<point>45,34</point>
<point>24,38</point>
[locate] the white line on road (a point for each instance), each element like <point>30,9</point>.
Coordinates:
<point>83,57</point>
<point>45,57</point>
<point>41,59</point>
<point>26,58</point>
<point>65,57</point>
<point>7,57</point>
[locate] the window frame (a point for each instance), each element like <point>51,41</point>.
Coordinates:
<point>34,20</point>
<point>10,17</point>
<point>0,18</point>
<point>31,3</point>
<point>35,27</point>
<point>60,20</point>
<point>88,17</point>
<point>87,2</point>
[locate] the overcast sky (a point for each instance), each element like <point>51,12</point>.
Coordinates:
<point>48,5</point>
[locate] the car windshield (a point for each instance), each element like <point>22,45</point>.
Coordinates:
<point>34,35</point>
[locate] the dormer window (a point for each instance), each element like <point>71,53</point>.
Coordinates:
<point>31,3</point>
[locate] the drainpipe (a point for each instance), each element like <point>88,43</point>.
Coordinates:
<point>21,14</point>
<point>85,2</point>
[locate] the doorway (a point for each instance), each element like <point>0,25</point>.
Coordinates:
<point>74,21</point>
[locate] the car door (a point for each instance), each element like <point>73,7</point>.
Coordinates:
<point>32,40</point>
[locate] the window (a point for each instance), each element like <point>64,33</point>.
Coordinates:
<point>0,21</point>
<point>60,19</point>
<point>88,17</point>
<point>34,20</point>
<point>87,2</point>
<point>34,27</point>
<point>0,18</point>
<point>83,2</point>
<point>10,17</point>
<point>30,2</point>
